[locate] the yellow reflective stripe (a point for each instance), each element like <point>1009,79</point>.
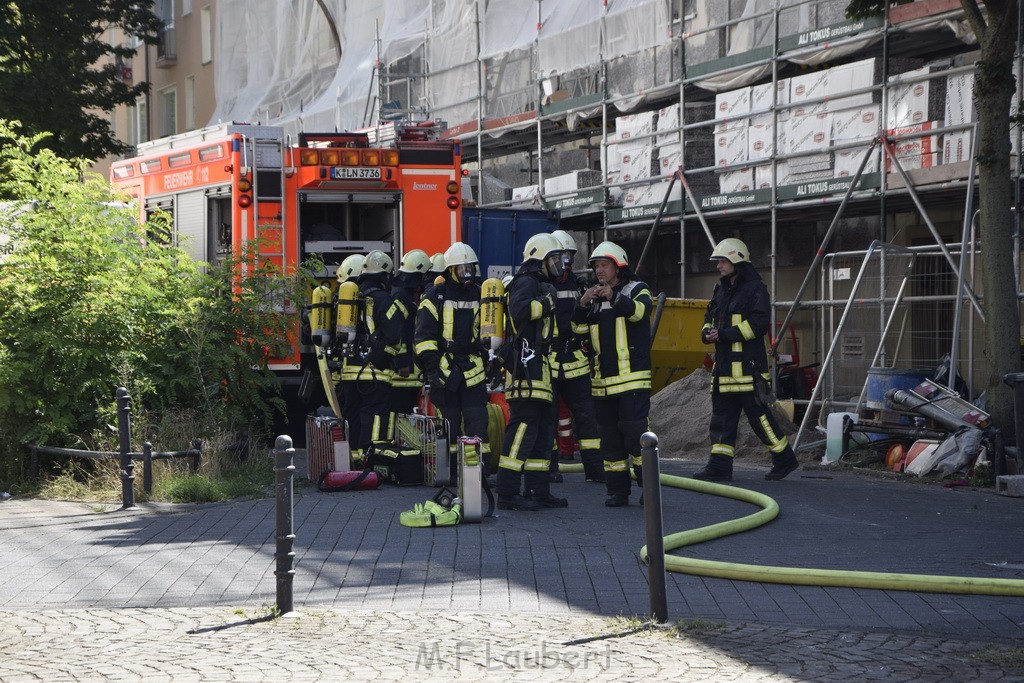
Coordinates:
<point>590,444</point>
<point>622,345</point>
<point>534,465</point>
<point>746,330</point>
<point>401,307</point>
<point>736,319</point>
<point>448,323</point>
<point>737,369</point>
<point>429,305</point>
<point>640,313</point>
<point>580,328</point>
<point>510,463</point>
<point>517,441</point>
<point>616,465</point>
<point>735,389</point>
<point>623,388</point>
<point>426,345</point>
<point>723,449</point>
<point>707,326</point>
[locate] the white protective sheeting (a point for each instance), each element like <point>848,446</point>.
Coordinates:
<point>278,61</point>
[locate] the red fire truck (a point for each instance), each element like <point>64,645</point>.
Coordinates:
<point>395,188</point>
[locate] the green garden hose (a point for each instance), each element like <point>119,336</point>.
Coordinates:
<point>920,583</point>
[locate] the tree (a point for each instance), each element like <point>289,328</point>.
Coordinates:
<point>58,76</point>
<point>88,305</point>
<point>994,87</point>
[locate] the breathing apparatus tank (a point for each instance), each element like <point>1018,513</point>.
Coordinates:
<point>320,314</point>
<point>492,311</point>
<point>348,312</point>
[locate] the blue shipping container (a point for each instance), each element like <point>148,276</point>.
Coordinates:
<point>498,236</point>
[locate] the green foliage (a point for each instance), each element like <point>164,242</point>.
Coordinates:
<point>87,305</point>
<point>57,73</point>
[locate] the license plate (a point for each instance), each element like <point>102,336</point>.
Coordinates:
<point>354,173</point>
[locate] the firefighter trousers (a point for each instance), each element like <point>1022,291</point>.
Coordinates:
<point>725,418</point>
<point>622,419</point>
<point>465,408</point>
<point>579,398</point>
<point>526,449</point>
<point>366,409</point>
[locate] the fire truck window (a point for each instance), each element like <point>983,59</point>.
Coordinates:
<point>219,222</point>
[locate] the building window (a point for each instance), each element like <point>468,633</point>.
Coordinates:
<point>186,7</point>
<point>206,34</point>
<point>138,122</point>
<point>167,110</point>
<point>190,102</point>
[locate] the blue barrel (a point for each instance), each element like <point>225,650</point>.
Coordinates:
<point>881,380</point>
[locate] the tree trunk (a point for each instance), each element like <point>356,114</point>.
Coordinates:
<point>993,91</point>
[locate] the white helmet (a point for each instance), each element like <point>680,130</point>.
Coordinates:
<point>415,261</point>
<point>377,262</point>
<point>564,239</point>
<point>437,263</point>
<point>350,268</point>
<point>540,246</point>
<point>610,251</point>
<point>732,250</point>
<point>459,254</point>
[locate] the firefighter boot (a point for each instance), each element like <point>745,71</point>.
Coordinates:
<point>554,476</point>
<point>516,502</point>
<point>782,465</point>
<point>638,473</point>
<point>719,468</point>
<point>618,489</point>
<point>508,492</point>
<point>593,466</point>
<point>538,491</point>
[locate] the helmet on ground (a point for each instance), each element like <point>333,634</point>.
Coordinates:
<point>415,261</point>
<point>459,254</point>
<point>350,268</point>
<point>437,263</point>
<point>564,239</point>
<point>377,262</point>
<point>540,246</point>
<point>732,250</point>
<point>610,251</point>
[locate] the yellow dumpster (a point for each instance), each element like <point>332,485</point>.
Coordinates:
<point>677,350</point>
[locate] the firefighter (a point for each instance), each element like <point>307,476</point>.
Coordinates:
<point>366,374</point>
<point>736,322</point>
<point>526,448</point>
<point>437,269</point>
<point>406,288</point>
<point>449,349</point>
<point>570,368</point>
<point>617,309</point>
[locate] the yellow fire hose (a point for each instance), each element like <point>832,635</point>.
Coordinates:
<point>920,583</point>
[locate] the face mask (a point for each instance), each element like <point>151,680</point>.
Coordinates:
<point>553,266</point>
<point>465,273</point>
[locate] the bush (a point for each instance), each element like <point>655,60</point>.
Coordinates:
<point>90,301</point>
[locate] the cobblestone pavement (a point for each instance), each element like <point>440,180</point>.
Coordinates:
<point>171,592</point>
<point>222,644</point>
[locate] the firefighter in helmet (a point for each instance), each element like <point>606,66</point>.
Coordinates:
<point>526,448</point>
<point>617,310</point>
<point>737,319</point>
<point>366,374</point>
<point>436,270</point>
<point>449,349</point>
<point>406,288</point>
<point>570,367</point>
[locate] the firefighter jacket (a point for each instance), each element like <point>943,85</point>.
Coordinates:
<point>405,289</point>
<point>569,352</point>
<point>447,337</point>
<point>741,312</point>
<point>531,313</point>
<point>378,333</point>
<point>620,337</point>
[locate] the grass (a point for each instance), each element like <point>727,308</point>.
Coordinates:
<point>225,471</point>
<point>1005,658</point>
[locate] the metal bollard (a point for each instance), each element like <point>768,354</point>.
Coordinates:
<point>653,524</point>
<point>124,432</point>
<point>147,467</point>
<point>284,475</point>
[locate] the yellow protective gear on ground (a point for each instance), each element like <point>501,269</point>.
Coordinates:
<point>430,514</point>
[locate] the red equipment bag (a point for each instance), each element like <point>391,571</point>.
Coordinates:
<point>358,480</point>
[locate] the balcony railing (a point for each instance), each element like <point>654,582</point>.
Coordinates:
<point>166,50</point>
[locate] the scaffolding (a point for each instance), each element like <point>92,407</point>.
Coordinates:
<point>764,119</point>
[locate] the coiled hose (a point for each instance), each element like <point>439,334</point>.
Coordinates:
<point>919,583</point>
